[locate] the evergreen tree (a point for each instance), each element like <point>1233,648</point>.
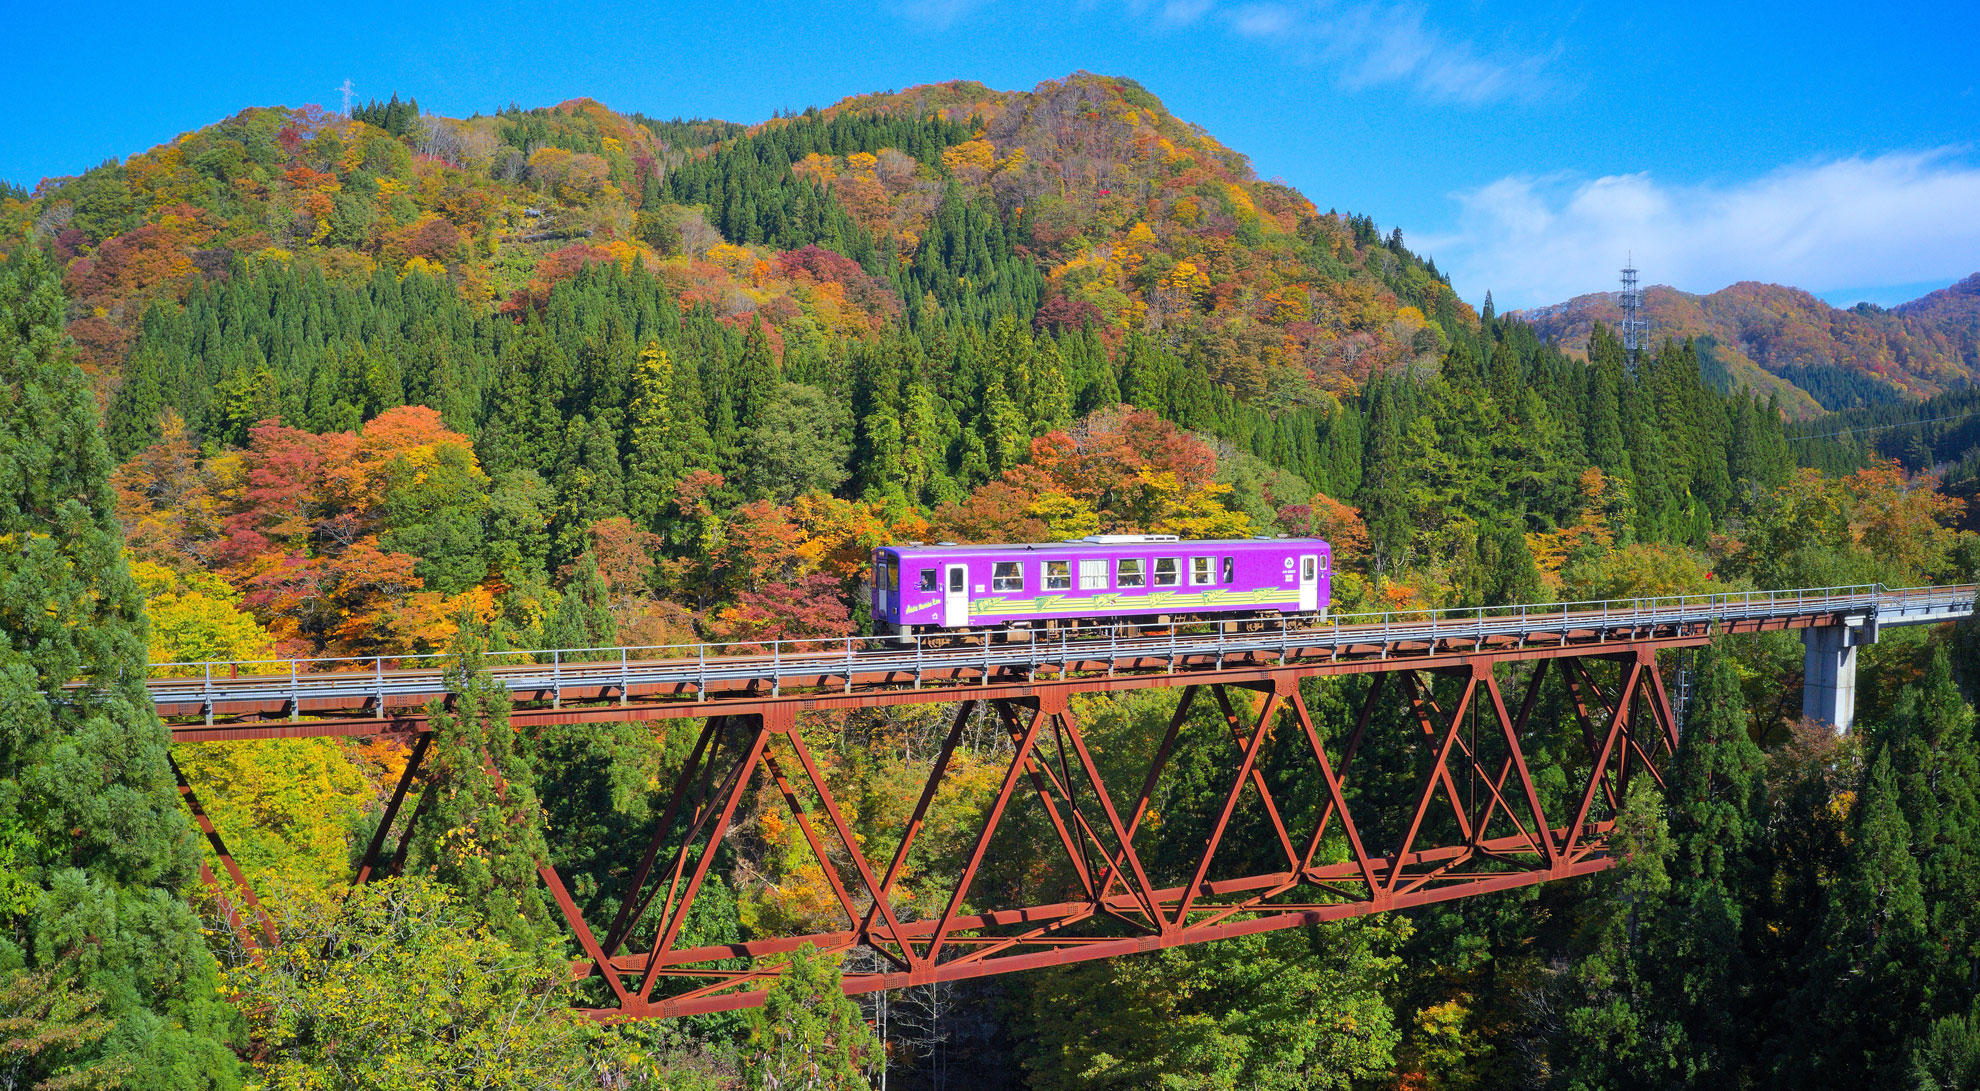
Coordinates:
<point>1050,404</point>
<point>1936,760</point>
<point>589,489</point>
<point>1860,1001</point>
<point>1509,576</point>
<point>1949,1058</point>
<point>482,833</point>
<point>1382,494</point>
<point>1604,416</point>
<point>584,614</point>
<point>1704,980</point>
<point>654,461</point>
<point>798,445</point>
<point>95,853</point>
<point>808,1033</point>
<point>1612,1034</point>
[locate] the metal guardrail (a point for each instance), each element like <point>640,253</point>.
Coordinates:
<point>550,671</point>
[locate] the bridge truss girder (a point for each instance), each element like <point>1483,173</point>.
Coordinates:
<point>1503,835</point>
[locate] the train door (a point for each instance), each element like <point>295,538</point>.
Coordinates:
<point>955,595</point>
<point>1309,582</point>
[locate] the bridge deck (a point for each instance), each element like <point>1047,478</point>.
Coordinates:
<point>214,701</point>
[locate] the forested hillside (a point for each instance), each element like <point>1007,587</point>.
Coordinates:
<point>563,377</point>
<point>1786,341</point>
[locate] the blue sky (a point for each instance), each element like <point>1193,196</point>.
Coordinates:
<point>1526,146</point>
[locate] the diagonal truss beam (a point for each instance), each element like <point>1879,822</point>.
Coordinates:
<point>219,846</point>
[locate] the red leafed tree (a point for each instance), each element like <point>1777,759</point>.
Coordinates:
<point>998,511</point>
<point>760,548</point>
<point>818,263</point>
<point>432,238</point>
<point>1109,461</point>
<point>1326,517</point>
<point>283,494</point>
<point>625,554</point>
<point>1061,313</point>
<point>808,607</point>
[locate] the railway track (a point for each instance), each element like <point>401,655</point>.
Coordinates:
<point>218,695</point>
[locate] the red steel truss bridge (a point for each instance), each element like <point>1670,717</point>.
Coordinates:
<point>1472,815</point>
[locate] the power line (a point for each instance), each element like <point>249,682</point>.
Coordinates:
<point>1888,427</point>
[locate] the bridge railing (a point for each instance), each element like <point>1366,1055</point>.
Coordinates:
<point>549,668</point>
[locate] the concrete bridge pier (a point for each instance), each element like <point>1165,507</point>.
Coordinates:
<point>1828,671</point>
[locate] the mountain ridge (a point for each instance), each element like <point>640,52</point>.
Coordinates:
<point>1785,341</point>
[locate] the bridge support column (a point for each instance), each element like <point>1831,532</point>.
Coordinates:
<point>1828,675</point>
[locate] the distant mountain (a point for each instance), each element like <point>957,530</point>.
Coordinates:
<point>1784,340</point>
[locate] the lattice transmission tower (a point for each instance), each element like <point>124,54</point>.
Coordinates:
<point>1633,327</point>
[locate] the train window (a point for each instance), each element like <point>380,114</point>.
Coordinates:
<point>956,579</point>
<point>1093,575</point>
<point>1128,573</point>
<point>882,574</point>
<point>1306,569</point>
<point>1168,571</point>
<point>1058,575</point>
<point>1201,571</point>
<point>1007,576</point>
<point>1230,569</point>
<point>928,579</point>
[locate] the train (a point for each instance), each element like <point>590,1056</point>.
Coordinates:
<point>1130,579</point>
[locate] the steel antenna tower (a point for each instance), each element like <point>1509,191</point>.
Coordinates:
<point>348,91</point>
<point>1633,326</point>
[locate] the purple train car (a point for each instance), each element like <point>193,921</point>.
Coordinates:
<point>1137,578</point>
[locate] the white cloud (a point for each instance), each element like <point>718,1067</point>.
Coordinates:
<point>1897,218</point>
<point>1184,12</point>
<point>1373,44</point>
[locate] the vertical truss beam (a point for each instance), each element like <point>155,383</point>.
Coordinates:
<point>1155,766</point>
<point>1438,775</point>
<point>1019,755</point>
<point>675,913</point>
<point>1618,723</point>
<point>1510,729</point>
<point>1336,798</point>
<point>1123,835</point>
<point>850,844</point>
<point>634,905</point>
<point>1245,766</point>
<point>920,815</point>
<point>1043,783</point>
<point>1258,782</point>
